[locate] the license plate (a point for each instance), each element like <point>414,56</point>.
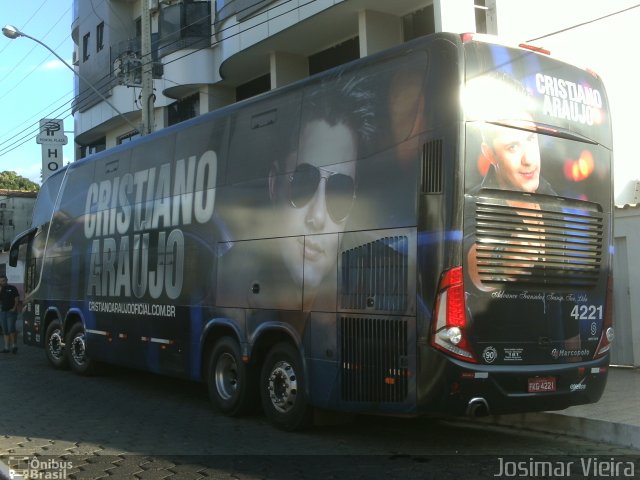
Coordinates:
<point>542,384</point>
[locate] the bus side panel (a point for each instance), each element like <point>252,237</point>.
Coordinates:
<point>127,244</point>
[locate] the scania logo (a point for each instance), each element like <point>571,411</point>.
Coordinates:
<point>490,354</point>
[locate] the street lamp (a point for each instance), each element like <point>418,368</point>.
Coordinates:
<point>12,32</point>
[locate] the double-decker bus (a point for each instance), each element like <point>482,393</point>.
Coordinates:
<point>427,229</point>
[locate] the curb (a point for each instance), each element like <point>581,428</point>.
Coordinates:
<point>619,434</point>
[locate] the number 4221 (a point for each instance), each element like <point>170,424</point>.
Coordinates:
<point>587,312</point>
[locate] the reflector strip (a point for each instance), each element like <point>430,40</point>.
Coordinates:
<point>157,340</point>
<point>97,332</point>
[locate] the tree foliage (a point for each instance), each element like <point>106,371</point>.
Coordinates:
<point>13,181</point>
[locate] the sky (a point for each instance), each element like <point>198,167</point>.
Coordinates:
<point>605,46</point>
<point>35,85</point>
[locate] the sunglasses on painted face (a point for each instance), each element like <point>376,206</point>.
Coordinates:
<point>340,190</point>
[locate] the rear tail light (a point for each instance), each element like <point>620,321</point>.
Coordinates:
<point>534,48</point>
<point>607,335</point>
<point>449,331</point>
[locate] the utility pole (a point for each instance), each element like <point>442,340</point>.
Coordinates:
<point>148,97</point>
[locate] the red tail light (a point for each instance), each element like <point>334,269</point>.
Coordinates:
<point>534,48</point>
<point>449,322</point>
<point>482,37</point>
<point>606,337</point>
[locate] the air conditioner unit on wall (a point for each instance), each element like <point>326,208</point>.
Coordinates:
<point>153,6</point>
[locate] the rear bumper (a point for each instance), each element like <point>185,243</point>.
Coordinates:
<point>505,388</point>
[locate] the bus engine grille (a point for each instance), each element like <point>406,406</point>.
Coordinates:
<point>375,275</point>
<point>530,244</point>
<point>374,359</point>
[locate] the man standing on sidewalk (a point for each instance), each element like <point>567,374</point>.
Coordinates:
<point>9,297</point>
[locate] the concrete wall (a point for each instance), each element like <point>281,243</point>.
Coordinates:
<point>626,286</point>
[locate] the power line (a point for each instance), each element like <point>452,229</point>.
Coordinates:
<point>585,23</point>
<point>88,96</point>
<point>13,69</point>
<point>27,22</point>
<point>8,91</point>
<point>12,137</point>
<point>17,142</point>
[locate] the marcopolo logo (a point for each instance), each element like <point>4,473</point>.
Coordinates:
<point>557,353</point>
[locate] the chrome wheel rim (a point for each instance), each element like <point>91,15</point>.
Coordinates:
<point>78,350</point>
<point>56,345</point>
<point>283,387</point>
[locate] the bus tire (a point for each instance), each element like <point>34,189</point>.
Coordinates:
<point>231,383</point>
<point>54,346</point>
<point>282,389</point>
<point>79,362</point>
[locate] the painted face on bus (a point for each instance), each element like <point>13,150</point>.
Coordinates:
<point>314,199</point>
<point>515,156</point>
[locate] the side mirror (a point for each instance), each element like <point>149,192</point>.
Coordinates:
<point>13,256</point>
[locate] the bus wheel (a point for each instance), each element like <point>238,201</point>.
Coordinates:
<point>231,384</point>
<point>54,346</point>
<point>76,351</point>
<point>282,389</point>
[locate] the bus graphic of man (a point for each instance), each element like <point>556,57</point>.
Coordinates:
<point>513,151</point>
<point>316,196</point>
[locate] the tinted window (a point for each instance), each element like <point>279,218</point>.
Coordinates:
<point>47,199</point>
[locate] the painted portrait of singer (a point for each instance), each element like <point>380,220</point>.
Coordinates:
<point>512,153</point>
<point>513,156</point>
<point>310,184</point>
<point>312,189</point>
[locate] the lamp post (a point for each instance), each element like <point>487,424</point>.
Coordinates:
<point>12,32</point>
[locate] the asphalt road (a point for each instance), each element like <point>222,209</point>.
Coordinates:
<point>129,424</point>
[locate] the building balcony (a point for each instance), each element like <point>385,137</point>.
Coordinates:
<point>184,41</point>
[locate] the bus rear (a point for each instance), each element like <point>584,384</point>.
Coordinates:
<point>525,321</point>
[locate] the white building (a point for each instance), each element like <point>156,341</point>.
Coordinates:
<point>626,286</point>
<point>212,53</point>
<point>15,215</point>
